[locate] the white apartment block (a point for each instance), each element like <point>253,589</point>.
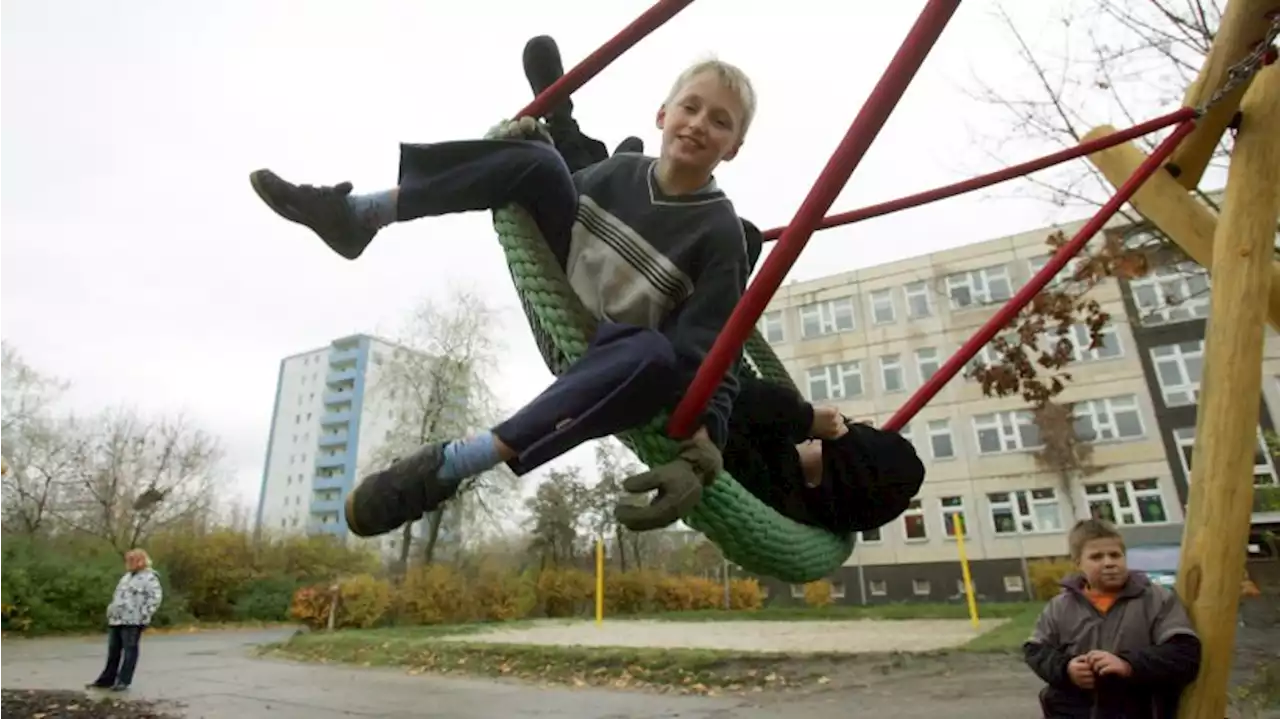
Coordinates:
<point>331,416</point>
<point>865,340</point>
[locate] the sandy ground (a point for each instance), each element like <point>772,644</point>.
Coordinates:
<point>843,637</point>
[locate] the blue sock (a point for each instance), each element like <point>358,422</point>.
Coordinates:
<point>374,210</point>
<point>468,457</point>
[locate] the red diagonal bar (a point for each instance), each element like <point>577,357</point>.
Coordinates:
<point>652,19</point>
<point>888,91</point>
<point>1024,296</point>
<point>993,178</point>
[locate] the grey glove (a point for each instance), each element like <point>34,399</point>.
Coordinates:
<point>679,485</point>
<point>525,128</point>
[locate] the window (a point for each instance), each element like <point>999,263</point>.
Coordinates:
<point>891,373</point>
<point>1011,431</point>
<point>771,327</point>
<point>882,310</point>
<point>871,536</point>
<point>1066,275</point>
<point>829,317</point>
<point>979,287</point>
<point>1137,501</point>
<point>1082,341</point>
<point>940,442</point>
<point>1264,469</point>
<point>920,587</point>
<point>1178,369</point>
<point>1171,293</point>
<point>927,362</point>
<point>913,522</point>
<point>1108,419</point>
<point>835,381</point>
<point>1013,584</point>
<point>837,590</point>
<point>878,587</point>
<point>918,304</point>
<point>953,507</point>
<point>1025,511</point>
<point>988,356</point>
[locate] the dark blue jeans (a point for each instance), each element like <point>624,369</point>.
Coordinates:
<point>122,655</point>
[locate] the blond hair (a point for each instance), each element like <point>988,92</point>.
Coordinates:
<point>731,77</point>
<point>136,552</point>
<point>1087,530</point>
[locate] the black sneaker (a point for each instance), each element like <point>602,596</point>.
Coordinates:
<point>323,209</point>
<point>401,493</point>
<point>542,67</point>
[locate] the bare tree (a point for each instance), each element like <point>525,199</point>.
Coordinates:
<point>558,516</point>
<point>39,455</point>
<point>131,476</point>
<point>28,394</point>
<point>437,384</point>
<point>615,463</point>
<point>1098,62</point>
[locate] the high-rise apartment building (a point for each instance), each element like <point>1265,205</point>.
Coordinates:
<point>865,340</point>
<point>332,415</point>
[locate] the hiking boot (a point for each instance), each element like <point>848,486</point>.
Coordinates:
<point>401,493</point>
<point>542,67</point>
<point>323,209</point>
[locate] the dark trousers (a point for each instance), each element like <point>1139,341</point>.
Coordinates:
<point>627,376</point>
<point>628,373</point>
<point>449,177</point>
<point>122,655</point>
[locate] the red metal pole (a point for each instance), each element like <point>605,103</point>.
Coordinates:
<point>839,168</point>
<point>652,19</point>
<point>1008,173</point>
<point>1024,296</point>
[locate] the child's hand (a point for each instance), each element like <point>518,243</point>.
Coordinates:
<point>1081,672</point>
<point>828,423</point>
<point>1108,664</point>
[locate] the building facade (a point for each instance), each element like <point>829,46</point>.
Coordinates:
<point>865,340</point>
<point>335,413</point>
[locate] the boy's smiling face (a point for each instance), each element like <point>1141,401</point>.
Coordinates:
<point>701,125</point>
<point>1102,561</point>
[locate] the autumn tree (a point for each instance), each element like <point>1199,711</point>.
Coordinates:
<point>437,384</point>
<point>559,516</point>
<point>615,463</point>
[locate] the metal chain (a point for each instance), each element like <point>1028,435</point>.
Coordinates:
<point>1247,67</point>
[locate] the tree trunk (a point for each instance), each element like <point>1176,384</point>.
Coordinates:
<point>406,540</point>
<point>1069,497</point>
<point>433,535</point>
<point>622,549</point>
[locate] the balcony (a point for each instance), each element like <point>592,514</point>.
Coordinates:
<point>333,439</point>
<point>335,481</point>
<point>340,397</point>
<point>332,418</point>
<point>337,460</point>
<point>326,506</point>
<point>339,376</point>
<point>342,358</point>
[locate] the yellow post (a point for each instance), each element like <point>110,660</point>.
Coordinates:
<point>600,581</point>
<point>958,522</point>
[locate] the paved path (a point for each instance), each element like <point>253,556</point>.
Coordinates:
<point>215,677</point>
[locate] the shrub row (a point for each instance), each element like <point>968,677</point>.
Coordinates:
<point>441,594</point>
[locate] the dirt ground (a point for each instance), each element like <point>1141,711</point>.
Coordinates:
<point>842,637</point>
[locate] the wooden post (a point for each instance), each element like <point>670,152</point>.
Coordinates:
<point>1218,510</point>
<point>1168,206</point>
<point>1244,24</point>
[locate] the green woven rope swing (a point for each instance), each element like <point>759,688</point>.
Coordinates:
<point>749,532</point>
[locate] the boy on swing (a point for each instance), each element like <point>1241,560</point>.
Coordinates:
<point>652,247</point>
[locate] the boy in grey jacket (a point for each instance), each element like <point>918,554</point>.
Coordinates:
<point>1112,645</point>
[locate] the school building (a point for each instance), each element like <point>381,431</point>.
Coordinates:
<point>865,340</point>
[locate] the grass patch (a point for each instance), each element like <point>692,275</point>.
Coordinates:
<point>691,671</point>
<point>1008,637</point>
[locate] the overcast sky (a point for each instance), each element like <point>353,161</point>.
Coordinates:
<point>139,265</point>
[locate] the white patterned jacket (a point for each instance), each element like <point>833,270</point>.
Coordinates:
<point>136,600</point>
